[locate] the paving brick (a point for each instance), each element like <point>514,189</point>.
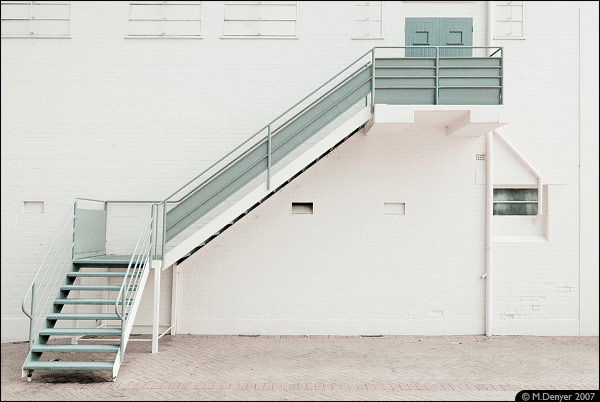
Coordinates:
<point>355,368</point>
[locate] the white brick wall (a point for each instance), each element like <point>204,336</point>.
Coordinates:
<point>106,117</point>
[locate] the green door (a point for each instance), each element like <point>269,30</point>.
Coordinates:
<point>439,32</point>
<point>421,32</point>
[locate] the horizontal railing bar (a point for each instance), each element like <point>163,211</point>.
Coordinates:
<point>471,86</point>
<point>470,67</point>
<point>126,201</point>
<point>469,76</point>
<point>405,76</point>
<point>406,67</point>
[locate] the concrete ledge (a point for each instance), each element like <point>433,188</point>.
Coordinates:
<point>536,327</point>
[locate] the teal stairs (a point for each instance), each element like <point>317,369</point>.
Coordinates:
<point>83,301</point>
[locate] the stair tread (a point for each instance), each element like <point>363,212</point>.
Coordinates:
<point>82,316</point>
<point>67,365</point>
<point>107,259</point>
<point>100,274</point>
<point>89,301</point>
<point>80,331</point>
<point>104,259</point>
<point>76,348</point>
<point>95,287</point>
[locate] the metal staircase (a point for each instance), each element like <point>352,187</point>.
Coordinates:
<point>120,279</point>
<point>80,291</point>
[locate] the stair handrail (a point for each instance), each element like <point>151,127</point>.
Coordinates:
<point>168,198</point>
<point>51,269</point>
<point>270,130</point>
<point>265,138</point>
<point>140,261</point>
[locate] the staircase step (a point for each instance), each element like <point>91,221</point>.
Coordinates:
<point>90,301</point>
<point>110,288</point>
<point>76,348</point>
<point>79,331</point>
<point>82,316</point>
<point>84,274</point>
<point>66,365</point>
<point>110,259</point>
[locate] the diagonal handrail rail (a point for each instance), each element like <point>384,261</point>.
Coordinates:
<point>265,138</point>
<point>140,261</point>
<point>262,129</point>
<point>50,271</point>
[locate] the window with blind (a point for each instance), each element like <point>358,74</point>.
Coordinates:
<point>509,20</point>
<point>260,19</point>
<point>169,19</point>
<point>368,20</point>
<point>36,19</point>
<point>515,201</point>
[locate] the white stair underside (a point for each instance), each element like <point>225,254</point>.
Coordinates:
<point>277,179</point>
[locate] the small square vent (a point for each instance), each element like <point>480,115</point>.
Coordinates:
<point>479,157</point>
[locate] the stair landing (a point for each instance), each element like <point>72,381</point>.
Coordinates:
<point>106,261</point>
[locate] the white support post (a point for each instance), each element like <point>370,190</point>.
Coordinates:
<point>175,273</point>
<point>155,315</point>
<point>489,157</point>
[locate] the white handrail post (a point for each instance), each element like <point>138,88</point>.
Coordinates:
<point>373,80</point>
<point>32,316</point>
<point>269,157</point>
<point>155,315</point>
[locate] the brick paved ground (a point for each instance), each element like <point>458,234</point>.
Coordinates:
<point>318,368</point>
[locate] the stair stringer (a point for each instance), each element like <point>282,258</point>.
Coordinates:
<point>131,318</point>
<point>278,179</point>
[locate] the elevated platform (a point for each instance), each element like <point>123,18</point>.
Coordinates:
<point>458,120</point>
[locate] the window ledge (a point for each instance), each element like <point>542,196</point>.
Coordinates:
<point>519,239</point>
<point>509,38</point>
<point>36,37</point>
<point>258,37</point>
<point>162,37</point>
<point>368,38</point>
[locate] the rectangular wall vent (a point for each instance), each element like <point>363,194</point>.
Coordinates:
<point>394,208</point>
<point>33,207</point>
<point>302,207</point>
<point>479,157</point>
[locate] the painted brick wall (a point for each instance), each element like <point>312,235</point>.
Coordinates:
<point>349,268</point>
<point>106,117</point>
